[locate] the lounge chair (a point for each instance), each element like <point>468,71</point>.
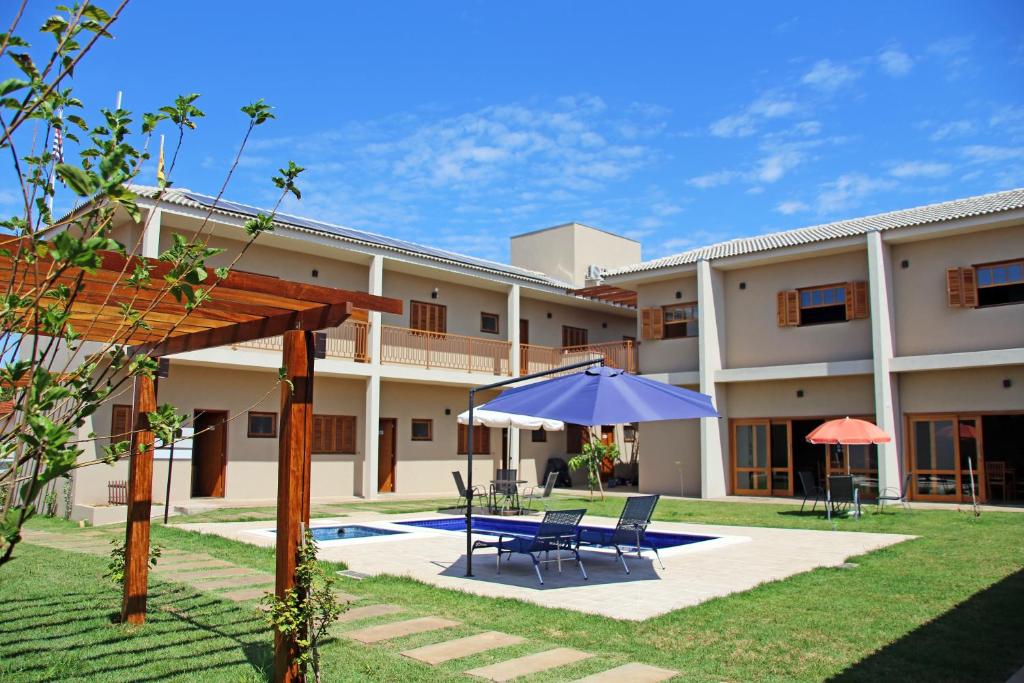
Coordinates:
<point>841,495</point>
<point>630,532</point>
<point>478,491</point>
<point>530,493</point>
<point>896,496</point>
<point>811,488</point>
<point>558,532</point>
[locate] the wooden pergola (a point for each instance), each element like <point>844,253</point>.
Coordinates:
<point>613,295</point>
<point>241,307</point>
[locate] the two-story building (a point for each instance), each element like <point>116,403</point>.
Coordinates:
<point>912,319</point>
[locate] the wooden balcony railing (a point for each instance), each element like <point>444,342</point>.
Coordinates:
<point>441,350</point>
<point>616,354</point>
<point>349,340</point>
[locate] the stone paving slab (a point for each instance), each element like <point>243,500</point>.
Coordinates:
<point>192,576</point>
<point>634,673</point>
<point>398,629</point>
<point>243,595</point>
<point>463,647</point>
<point>250,580</point>
<point>174,566</point>
<point>358,613</point>
<point>530,664</point>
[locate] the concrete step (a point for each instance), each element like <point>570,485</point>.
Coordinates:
<point>398,629</point>
<point>530,664</point>
<point>463,647</point>
<point>634,673</point>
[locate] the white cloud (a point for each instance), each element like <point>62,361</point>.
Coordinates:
<point>920,169</point>
<point>895,62</point>
<point>1008,119</point>
<point>983,154</point>
<point>953,52</point>
<point>827,75</point>
<point>788,208</point>
<point>808,128</point>
<point>848,191</point>
<point>774,166</point>
<point>747,121</point>
<point>713,179</point>
<point>951,129</point>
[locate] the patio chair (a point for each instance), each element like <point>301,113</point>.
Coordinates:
<point>478,491</point>
<point>504,490</point>
<point>841,495</point>
<point>530,493</point>
<point>630,533</point>
<point>811,488</point>
<point>558,532</point>
<point>996,477</point>
<point>898,496</point>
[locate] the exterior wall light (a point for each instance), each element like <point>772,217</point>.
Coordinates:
<point>316,273</point>
<point>799,393</point>
<point>433,295</point>
<point>1007,383</point>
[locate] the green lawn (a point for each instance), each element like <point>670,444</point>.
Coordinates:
<point>948,606</point>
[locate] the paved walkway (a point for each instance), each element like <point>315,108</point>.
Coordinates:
<point>224,579</point>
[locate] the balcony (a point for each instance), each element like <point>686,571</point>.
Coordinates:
<point>616,354</point>
<point>350,340</point>
<point>403,346</point>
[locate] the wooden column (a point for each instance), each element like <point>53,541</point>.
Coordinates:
<point>293,470</point>
<point>140,497</point>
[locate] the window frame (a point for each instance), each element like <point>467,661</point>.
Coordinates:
<point>572,329</point>
<point>685,323</point>
<point>629,433</point>
<point>978,286</point>
<point>838,288</point>
<point>421,420</point>
<point>123,436</point>
<point>260,413</point>
<point>497,322</point>
<point>483,443</point>
<point>441,317</point>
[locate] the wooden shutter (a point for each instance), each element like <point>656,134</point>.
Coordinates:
<point>652,323</point>
<point>856,300</point>
<point>348,434</point>
<point>787,304</point>
<point>481,440</point>
<point>320,345</point>
<point>969,287</point>
<point>954,288</point>
<point>462,440</point>
<point>428,317</point>
<point>120,422</point>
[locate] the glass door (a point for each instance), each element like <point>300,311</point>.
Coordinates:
<point>944,450</point>
<point>779,440</point>
<point>750,455</point>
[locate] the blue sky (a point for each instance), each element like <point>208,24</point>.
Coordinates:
<point>458,124</point>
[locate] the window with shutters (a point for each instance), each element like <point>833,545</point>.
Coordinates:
<point>481,440</point>
<point>490,323</point>
<point>652,323</point>
<point>120,423</point>
<point>820,305</point>
<point>1000,283</point>
<point>334,434</point>
<point>262,425</point>
<point>428,317</point>
<point>422,429</point>
<point>573,336</point>
<point>680,320</point>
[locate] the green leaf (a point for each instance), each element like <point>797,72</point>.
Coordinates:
<point>12,84</point>
<point>80,181</point>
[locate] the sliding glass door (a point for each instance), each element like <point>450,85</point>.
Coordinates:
<point>762,459</point>
<point>945,457</point>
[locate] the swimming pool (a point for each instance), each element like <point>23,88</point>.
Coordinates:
<point>341,533</point>
<point>591,534</point>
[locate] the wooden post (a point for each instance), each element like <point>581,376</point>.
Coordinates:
<point>294,458</point>
<point>140,495</point>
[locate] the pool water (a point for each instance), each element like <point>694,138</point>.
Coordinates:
<point>341,533</point>
<point>590,534</point>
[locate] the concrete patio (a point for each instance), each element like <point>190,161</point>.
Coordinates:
<point>740,559</point>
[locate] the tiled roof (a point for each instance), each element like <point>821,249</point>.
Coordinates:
<point>904,218</point>
<point>195,200</point>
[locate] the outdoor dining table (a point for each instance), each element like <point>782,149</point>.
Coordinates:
<point>494,482</point>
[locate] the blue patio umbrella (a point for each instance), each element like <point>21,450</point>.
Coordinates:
<point>604,396</point>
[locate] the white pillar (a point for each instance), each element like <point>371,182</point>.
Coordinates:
<point>710,340</point>
<point>151,233</point>
<point>513,337</point>
<point>371,431</point>
<point>882,345</point>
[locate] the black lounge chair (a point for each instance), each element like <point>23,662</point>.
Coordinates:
<point>478,491</point>
<point>842,494</point>
<point>630,532</point>
<point>811,488</point>
<point>558,532</point>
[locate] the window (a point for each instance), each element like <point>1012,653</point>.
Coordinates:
<point>334,434</point>
<point>539,436</point>
<point>422,430</point>
<point>1000,283</point>
<point>481,440</point>
<point>573,336</point>
<point>680,320</point>
<point>823,304</point>
<point>262,425</point>
<point>428,317</point>
<point>120,423</point>
<point>629,433</point>
<point>489,323</point>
